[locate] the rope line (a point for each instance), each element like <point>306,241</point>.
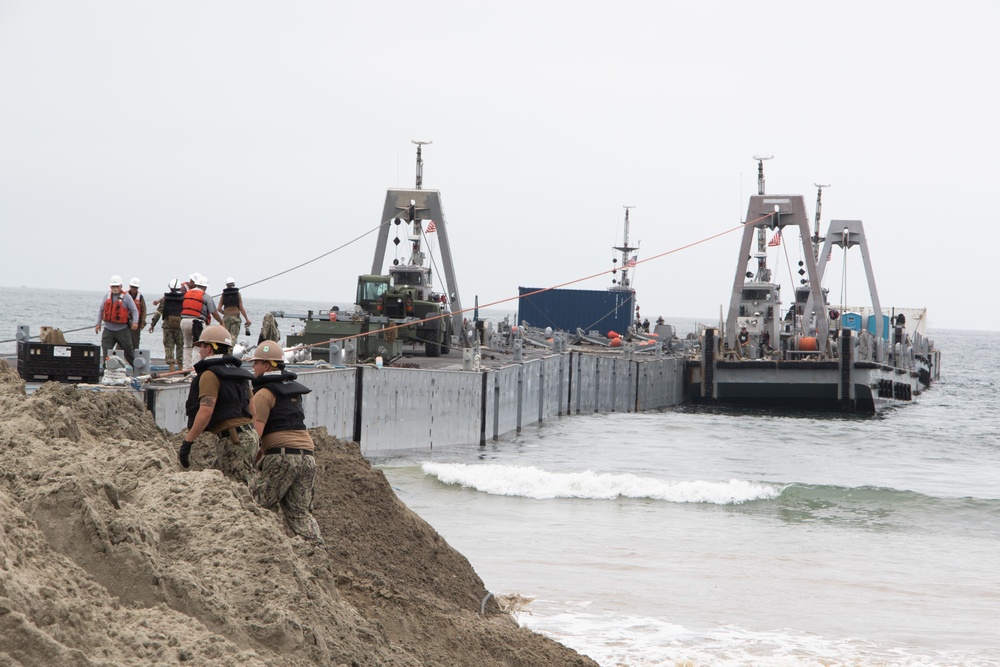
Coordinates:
<point>538,291</point>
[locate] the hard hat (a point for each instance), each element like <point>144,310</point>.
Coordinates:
<point>216,334</point>
<point>135,282</point>
<point>116,281</point>
<point>174,284</point>
<point>269,350</point>
<point>230,280</point>
<point>193,277</point>
<point>200,280</point>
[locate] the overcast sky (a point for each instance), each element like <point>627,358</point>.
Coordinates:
<point>244,138</point>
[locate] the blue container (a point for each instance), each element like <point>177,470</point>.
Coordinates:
<point>851,321</point>
<point>572,309</point>
<point>885,325</point>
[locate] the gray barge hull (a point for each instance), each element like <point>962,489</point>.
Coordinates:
<point>844,384</point>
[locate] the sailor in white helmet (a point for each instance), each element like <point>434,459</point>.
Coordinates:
<point>231,305</point>
<point>196,313</point>
<point>117,313</point>
<point>140,305</point>
<point>169,308</point>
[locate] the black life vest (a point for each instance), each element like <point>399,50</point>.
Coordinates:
<point>230,297</point>
<point>115,309</point>
<point>173,303</point>
<point>287,413</point>
<point>234,390</point>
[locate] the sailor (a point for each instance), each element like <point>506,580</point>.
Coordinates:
<point>765,342</point>
<point>169,309</point>
<point>116,312</point>
<point>196,312</point>
<point>287,461</point>
<point>742,339</point>
<point>660,320</point>
<point>231,305</point>
<point>140,305</point>
<point>219,402</point>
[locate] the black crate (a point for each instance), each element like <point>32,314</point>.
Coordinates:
<point>70,362</point>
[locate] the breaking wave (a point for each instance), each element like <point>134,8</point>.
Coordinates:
<point>531,482</point>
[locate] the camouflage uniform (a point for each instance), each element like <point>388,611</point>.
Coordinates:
<point>287,479</point>
<point>235,460</point>
<point>269,329</point>
<point>288,462</point>
<point>173,340</point>
<point>233,324</point>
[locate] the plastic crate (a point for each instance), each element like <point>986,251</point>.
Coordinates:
<point>71,362</point>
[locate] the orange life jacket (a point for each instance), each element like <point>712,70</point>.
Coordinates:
<point>194,300</point>
<point>115,310</point>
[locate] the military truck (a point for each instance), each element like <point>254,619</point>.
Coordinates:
<point>406,298</point>
<point>367,334</point>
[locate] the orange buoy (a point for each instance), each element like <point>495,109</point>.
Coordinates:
<point>616,342</point>
<point>808,344</point>
<point>614,334</point>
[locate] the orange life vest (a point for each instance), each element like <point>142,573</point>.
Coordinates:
<point>115,310</point>
<point>194,300</point>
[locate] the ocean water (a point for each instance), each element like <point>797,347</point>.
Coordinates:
<point>697,536</point>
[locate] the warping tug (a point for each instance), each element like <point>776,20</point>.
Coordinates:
<point>814,355</point>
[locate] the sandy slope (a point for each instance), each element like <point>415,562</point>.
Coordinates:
<point>111,555</point>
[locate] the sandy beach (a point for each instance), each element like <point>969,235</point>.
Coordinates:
<point>112,555</point>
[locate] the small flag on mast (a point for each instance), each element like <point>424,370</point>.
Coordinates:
<point>632,261</point>
<point>775,240</point>
<point>431,227</point>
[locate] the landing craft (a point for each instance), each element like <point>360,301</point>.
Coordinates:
<point>816,355</point>
<point>403,307</point>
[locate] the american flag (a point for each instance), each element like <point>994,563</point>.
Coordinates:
<point>632,261</point>
<point>775,240</point>
<point>431,227</point>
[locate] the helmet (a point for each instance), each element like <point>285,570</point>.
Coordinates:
<point>116,281</point>
<point>230,280</point>
<point>135,282</point>
<point>269,350</point>
<point>174,284</point>
<point>199,280</point>
<point>216,335</point>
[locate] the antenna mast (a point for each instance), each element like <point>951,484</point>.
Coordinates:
<point>763,274</point>
<point>420,162</point>
<point>819,207</point>
<point>626,250</point>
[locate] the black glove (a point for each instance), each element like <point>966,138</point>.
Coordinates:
<point>184,454</point>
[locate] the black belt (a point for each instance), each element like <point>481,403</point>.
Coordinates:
<point>234,431</point>
<point>289,450</point>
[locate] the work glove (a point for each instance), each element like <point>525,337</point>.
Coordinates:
<point>184,454</point>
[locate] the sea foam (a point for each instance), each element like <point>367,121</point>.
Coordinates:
<point>531,482</point>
